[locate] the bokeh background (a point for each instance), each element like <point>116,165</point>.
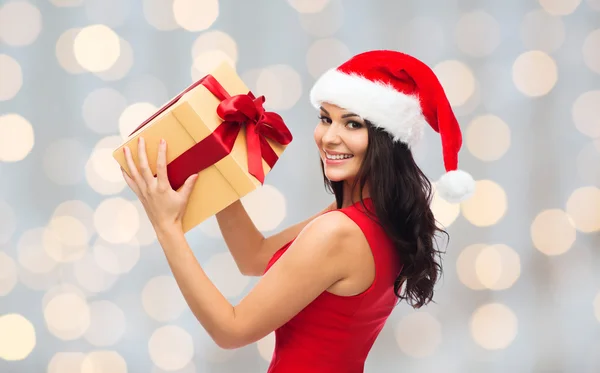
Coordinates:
<point>84,286</point>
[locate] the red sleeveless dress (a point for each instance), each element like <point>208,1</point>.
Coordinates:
<point>335,333</point>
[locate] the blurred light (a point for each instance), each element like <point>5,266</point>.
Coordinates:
<point>583,207</point>
<point>116,220</point>
<point>61,289</point>
<point>326,22</point>
<point>41,281</point>
<point>112,13</point>
<point>209,60</point>
<point>9,222</point>
<point>124,63</point>
<point>477,33</point>
<point>487,205</point>
<point>560,7</point>
<point>266,207</point>
<point>542,31</point>
<point>190,368</point>
<point>102,171</point>
<point>107,324</point>
<point>116,258</point>
<point>171,347</point>
<point>195,15</point>
<point>215,40</point>
<point>64,161</point>
<point>33,248</point>
<point>498,267</point>
<point>281,85</point>
<point>66,362</point>
<point>224,273</point>
<point>96,48</point>
<point>91,276</point>
<point>586,113</point>
<point>146,234</point>
<point>308,6</point>
<point>494,326</point>
<point>11,76</point>
<point>16,138</point>
<point>20,23</point>
<point>103,361</point>
<point>67,316</point>
<point>8,274</point>
<point>102,108</point>
<point>133,116</point>
<point>162,300</point>
<point>74,238</point>
<point>534,73</point>
<point>325,54</point>
<point>159,14</point>
<point>17,337</point>
<point>423,37</point>
<point>418,334</point>
<point>588,160</point>
<point>457,80</point>
<point>443,211</point>
<point>145,88</point>
<point>466,268</point>
<point>65,53</point>
<point>553,232</point>
<point>266,346</point>
<point>488,137</point>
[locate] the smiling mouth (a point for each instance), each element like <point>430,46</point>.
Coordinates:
<point>337,157</point>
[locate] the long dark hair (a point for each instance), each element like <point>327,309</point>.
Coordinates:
<point>401,195</point>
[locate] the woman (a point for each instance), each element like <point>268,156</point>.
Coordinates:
<point>329,283</point>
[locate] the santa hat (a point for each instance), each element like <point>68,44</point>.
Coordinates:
<point>399,94</point>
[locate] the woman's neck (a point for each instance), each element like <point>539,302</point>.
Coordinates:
<point>353,196</point>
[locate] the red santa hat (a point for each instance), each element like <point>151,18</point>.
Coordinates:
<point>399,94</point>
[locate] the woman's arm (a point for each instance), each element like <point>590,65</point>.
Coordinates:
<point>249,248</point>
<point>316,260</point>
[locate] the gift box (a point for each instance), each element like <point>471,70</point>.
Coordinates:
<point>219,129</point>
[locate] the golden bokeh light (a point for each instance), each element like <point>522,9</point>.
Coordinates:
<point>195,15</point>
<point>116,220</point>
<point>466,268</point>
<point>65,54</point>
<point>119,258</point>
<point>96,48</point>
<point>477,33</point>
<point>583,207</point>
<point>487,205</point>
<point>308,6</point>
<point>91,276</point>
<point>445,213</point>
<point>553,232</point>
<point>107,324</point>
<point>8,274</point>
<point>11,76</point>
<point>16,137</point>
<point>20,23</point>
<point>494,326</point>
<point>215,40</point>
<point>488,137</point>
<point>226,276</point>
<point>21,335</point>
<point>207,61</point>
<point>33,248</point>
<point>103,362</point>
<point>134,115</point>
<point>534,73</point>
<point>266,206</point>
<point>281,85</point>
<point>497,267</point>
<point>560,7</point>
<point>67,316</point>
<point>171,347</point>
<point>542,31</point>
<point>73,236</point>
<point>323,54</point>
<point>457,79</point>
<point>586,113</point>
<point>102,171</point>
<point>66,362</point>
<point>123,64</point>
<point>418,334</point>
<point>162,300</point>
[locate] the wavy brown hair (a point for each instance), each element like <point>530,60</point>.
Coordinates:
<point>401,196</point>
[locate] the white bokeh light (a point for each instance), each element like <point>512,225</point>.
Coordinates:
<point>195,15</point>
<point>171,347</point>
<point>8,274</point>
<point>123,64</point>
<point>102,171</point>
<point>457,79</point>
<point>16,137</point>
<point>67,316</point>
<point>159,14</point>
<point>266,207</point>
<point>117,258</point>
<point>96,48</point>
<point>534,73</point>
<point>65,53</point>
<point>91,276</point>
<point>20,23</point>
<point>162,300</point>
<point>134,115</point>
<point>586,113</point>
<point>419,334</point>
<point>11,76</point>
<point>107,324</point>
<point>281,85</point>
<point>494,326</point>
<point>22,337</point>
<point>103,362</point>
<point>116,220</point>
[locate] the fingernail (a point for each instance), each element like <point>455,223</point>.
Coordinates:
<point>125,149</point>
<point>140,139</point>
<point>162,141</point>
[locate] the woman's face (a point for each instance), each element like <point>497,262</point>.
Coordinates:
<point>342,139</point>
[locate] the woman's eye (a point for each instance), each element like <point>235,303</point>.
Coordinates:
<point>324,119</point>
<point>354,125</point>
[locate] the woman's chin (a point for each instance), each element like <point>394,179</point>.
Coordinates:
<point>335,176</point>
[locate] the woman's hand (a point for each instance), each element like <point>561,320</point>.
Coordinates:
<point>164,206</point>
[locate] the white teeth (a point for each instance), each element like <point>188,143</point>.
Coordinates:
<point>338,156</point>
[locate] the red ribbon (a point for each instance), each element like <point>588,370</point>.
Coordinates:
<point>236,112</point>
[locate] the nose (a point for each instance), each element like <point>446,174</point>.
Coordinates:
<point>331,135</point>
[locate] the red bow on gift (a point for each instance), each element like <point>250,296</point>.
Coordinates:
<point>237,111</point>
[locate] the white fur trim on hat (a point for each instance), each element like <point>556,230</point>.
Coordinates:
<point>395,112</point>
<point>455,186</point>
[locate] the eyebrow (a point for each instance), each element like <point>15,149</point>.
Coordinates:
<point>348,115</point>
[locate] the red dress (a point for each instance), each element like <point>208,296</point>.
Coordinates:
<point>335,333</point>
